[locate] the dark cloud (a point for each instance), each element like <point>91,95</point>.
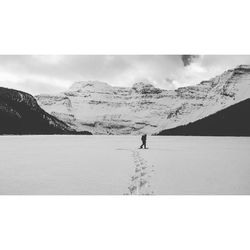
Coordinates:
<point>188,59</point>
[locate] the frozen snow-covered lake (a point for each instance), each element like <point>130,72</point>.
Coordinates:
<point>115,165</point>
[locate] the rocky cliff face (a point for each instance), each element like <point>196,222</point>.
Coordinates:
<point>20,114</point>
<point>103,109</point>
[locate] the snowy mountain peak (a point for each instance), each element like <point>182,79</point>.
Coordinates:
<point>89,85</point>
<point>142,85</point>
<point>145,88</point>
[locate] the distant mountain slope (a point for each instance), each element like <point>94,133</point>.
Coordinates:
<point>20,114</point>
<point>103,109</point>
<point>232,121</point>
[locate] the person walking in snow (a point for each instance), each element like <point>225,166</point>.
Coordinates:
<point>144,140</point>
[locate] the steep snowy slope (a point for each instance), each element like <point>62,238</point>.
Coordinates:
<point>20,114</point>
<point>103,109</point>
<point>231,121</point>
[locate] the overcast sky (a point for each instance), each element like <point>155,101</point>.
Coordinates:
<point>53,74</point>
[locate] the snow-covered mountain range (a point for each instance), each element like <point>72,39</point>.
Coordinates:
<point>102,109</point>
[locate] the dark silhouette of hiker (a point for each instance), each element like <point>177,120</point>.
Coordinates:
<point>144,140</point>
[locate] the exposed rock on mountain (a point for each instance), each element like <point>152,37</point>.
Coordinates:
<point>232,121</point>
<point>103,109</point>
<point>20,114</point>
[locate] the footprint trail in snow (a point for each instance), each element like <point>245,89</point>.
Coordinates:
<point>140,181</point>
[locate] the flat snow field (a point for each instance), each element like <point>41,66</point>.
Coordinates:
<point>114,165</point>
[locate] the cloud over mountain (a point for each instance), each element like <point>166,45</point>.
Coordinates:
<point>52,73</point>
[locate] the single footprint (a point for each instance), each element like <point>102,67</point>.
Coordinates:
<point>132,189</point>
<point>137,170</point>
<point>142,183</point>
<point>133,178</point>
